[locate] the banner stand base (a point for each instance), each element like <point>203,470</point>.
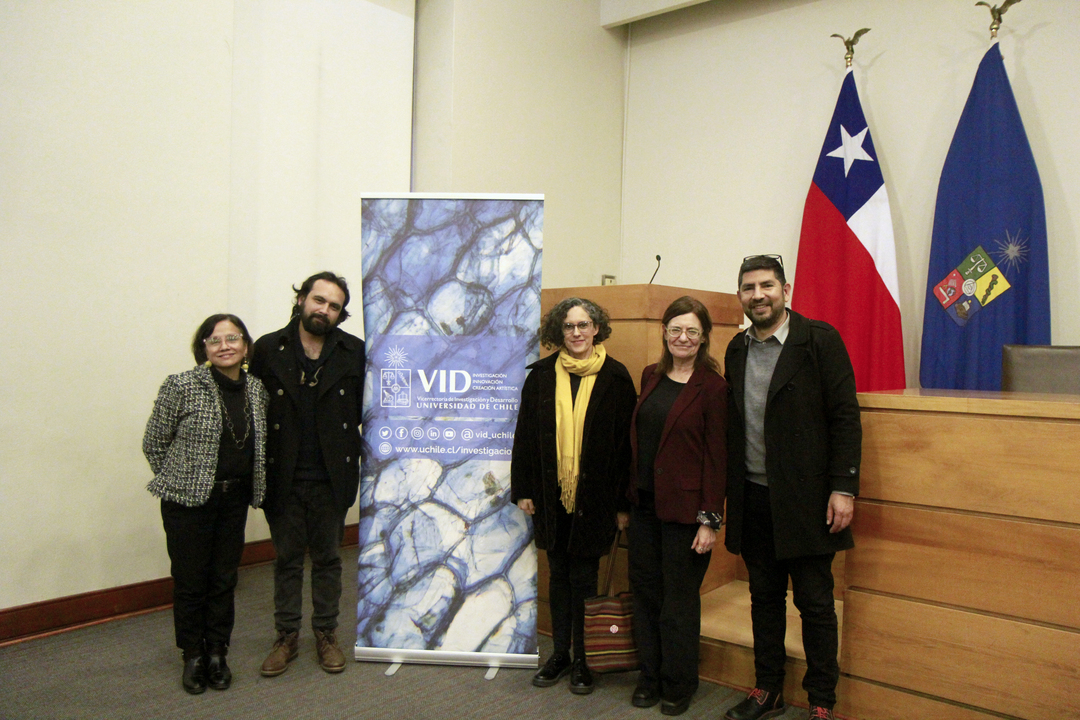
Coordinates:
<point>446,657</point>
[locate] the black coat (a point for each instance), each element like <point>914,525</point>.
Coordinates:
<point>337,413</point>
<point>605,457</point>
<point>813,438</point>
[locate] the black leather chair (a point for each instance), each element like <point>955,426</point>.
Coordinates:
<point>1041,369</point>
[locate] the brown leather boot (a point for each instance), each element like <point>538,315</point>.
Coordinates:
<point>285,650</point>
<point>331,659</point>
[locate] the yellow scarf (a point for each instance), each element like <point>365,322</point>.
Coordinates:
<point>570,416</point>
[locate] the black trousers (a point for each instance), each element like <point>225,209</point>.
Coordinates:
<point>571,579</point>
<point>309,522</point>
<point>665,577</point>
<point>812,585</point>
<point>205,544</point>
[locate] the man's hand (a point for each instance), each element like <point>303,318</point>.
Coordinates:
<point>527,506</point>
<point>623,520</point>
<point>841,508</point>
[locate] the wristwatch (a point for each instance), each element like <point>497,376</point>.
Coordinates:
<point>712,519</point>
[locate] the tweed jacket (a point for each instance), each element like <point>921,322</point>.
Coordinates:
<point>813,438</point>
<point>337,413</point>
<point>604,464</point>
<point>690,468</point>
<point>184,432</point>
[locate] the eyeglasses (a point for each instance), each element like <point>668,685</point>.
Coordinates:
<point>674,331</point>
<point>216,340</point>
<point>569,328</point>
<point>777,258</point>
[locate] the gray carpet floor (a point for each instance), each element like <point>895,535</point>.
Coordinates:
<point>130,668</point>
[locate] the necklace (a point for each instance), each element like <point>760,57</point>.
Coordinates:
<point>314,380</point>
<point>240,442</point>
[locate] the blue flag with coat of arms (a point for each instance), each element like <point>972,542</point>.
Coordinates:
<point>988,282</point>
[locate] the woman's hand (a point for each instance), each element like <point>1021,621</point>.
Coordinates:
<point>704,540</point>
<point>622,519</point>
<point>526,506</point>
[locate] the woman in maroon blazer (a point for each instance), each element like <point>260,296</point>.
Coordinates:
<point>678,442</point>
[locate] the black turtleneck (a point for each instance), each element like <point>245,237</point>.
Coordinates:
<point>234,462</point>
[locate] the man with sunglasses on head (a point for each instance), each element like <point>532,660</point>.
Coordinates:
<point>314,373</point>
<point>794,448</point>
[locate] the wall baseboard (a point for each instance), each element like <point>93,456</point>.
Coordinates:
<point>66,613</point>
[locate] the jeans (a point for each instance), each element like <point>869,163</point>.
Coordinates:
<point>812,585</point>
<point>665,577</point>
<point>205,544</point>
<point>309,522</point>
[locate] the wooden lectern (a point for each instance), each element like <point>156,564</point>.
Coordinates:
<point>636,311</point>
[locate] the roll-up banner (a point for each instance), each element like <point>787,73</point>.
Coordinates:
<point>447,568</point>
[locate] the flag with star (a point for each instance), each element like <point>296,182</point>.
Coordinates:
<point>988,281</point>
<point>846,271</point>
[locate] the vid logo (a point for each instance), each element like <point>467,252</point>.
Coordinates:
<point>395,382</point>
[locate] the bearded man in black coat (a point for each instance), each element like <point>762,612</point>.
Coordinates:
<point>794,448</point>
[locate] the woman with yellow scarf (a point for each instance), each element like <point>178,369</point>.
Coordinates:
<point>570,467</point>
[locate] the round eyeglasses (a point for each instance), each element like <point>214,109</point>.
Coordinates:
<point>674,331</point>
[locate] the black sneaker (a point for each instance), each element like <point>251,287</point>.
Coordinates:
<point>556,666</point>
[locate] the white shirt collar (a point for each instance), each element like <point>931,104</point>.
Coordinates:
<point>780,334</point>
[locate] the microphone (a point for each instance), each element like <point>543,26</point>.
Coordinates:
<point>656,270</point>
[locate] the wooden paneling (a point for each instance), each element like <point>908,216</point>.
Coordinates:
<point>953,558</point>
<point>861,700</point>
<point>733,665</point>
<point>725,616</point>
<point>975,402</point>
<point>1007,666</point>
<point>635,312</point>
<point>646,302</point>
<point>1006,466</point>
<point>723,567</point>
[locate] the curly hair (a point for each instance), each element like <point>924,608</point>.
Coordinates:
<point>682,306</point>
<point>551,332</point>
<point>198,348</point>
<point>305,288</point>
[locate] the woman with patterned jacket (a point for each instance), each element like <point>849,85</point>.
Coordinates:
<point>206,443</point>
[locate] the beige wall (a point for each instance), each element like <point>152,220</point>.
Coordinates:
<point>162,161</point>
<point>728,103</point>
<point>522,96</point>
<point>114,214</point>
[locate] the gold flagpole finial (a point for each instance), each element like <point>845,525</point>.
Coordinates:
<point>995,14</point>
<point>849,44</point>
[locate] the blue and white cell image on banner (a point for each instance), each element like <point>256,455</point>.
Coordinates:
<point>451,312</point>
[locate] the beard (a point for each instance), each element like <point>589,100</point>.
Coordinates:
<point>316,323</point>
<point>766,321</point>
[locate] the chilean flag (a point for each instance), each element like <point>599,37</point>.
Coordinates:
<point>846,271</point>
